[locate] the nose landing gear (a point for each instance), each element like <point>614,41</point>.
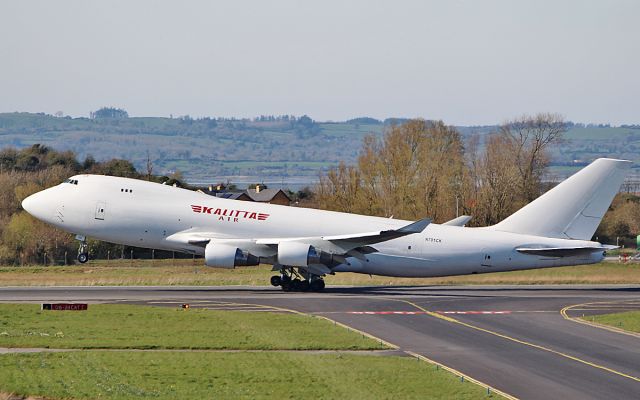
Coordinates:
<point>291,281</point>
<point>83,250</point>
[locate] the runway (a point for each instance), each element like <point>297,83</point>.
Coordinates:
<point>513,338</point>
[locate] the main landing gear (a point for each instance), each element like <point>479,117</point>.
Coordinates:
<point>83,250</point>
<point>291,281</point>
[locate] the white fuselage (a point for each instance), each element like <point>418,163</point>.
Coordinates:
<point>145,214</point>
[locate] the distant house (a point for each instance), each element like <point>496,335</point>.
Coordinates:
<point>258,194</point>
<point>233,196</point>
<point>271,196</point>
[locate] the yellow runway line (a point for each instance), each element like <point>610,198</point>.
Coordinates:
<point>466,377</point>
<point>525,343</point>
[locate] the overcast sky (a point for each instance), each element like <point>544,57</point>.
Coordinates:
<point>466,62</point>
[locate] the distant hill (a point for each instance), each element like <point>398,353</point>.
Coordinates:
<point>206,149</point>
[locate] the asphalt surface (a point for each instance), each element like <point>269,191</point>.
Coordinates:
<point>514,339</point>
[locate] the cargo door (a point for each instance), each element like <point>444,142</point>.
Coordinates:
<point>101,207</point>
<point>486,258</point>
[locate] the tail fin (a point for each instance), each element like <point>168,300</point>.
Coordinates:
<point>574,208</point>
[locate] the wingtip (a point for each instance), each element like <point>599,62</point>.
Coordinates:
<point>416,227</point>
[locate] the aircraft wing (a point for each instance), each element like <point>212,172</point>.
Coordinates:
<point>337,244</point>
<point>564,251</point>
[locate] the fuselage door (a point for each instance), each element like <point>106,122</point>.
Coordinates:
<point>101,206</point>
<point>486,261</point>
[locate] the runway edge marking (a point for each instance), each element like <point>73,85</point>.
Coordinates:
<point>535,346</point>
<point>578,320</point>
<point>467,377</point>
<point>395,346</point>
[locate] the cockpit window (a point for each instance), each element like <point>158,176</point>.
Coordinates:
<point>71,181</point>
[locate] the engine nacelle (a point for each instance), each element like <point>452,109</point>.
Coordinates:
<point>297,254</point>
<point>225,256</point>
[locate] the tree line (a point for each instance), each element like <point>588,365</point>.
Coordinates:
<point>425,168</point>
<point>26,240</point>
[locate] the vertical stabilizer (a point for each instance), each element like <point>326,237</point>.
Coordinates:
<point>574,208</point>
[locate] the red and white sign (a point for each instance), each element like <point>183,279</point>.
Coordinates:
<point>65,306</point>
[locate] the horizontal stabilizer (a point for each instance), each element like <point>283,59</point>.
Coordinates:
<point>564,251</point>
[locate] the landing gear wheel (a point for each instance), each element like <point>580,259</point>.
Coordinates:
<point>276,280</point>
<point>304,286</point>
<point>317,285</point>
<point>83,251</point>
<point>83,258</point>
<point>295,284</point>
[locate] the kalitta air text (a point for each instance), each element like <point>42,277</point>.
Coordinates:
<point>225,214</point>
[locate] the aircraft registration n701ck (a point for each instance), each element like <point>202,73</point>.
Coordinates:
<point>304,245</point>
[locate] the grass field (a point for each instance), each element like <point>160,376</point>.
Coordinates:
<point>596,133</point>
<point>189,272</point>
<point>144,327</point>
<point>173,375</point>
<point>629,321</point>
<point>127,364</point>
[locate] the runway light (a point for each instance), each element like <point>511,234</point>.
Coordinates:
<point>185,306</point>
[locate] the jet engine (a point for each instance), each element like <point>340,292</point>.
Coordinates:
<point>297,254</point>
<point>225,256</point>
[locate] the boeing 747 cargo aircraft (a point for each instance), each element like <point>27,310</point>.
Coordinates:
<point>304,245</point>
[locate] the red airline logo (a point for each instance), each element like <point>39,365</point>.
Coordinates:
<point>225,214</point>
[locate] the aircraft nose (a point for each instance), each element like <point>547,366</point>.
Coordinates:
<point>36,205</point>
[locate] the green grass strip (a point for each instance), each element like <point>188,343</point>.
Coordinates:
<point>145,327</point>
<point>126,375</point>
<point>629,321</point>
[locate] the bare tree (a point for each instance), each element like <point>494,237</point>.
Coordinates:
<point>340,189</point>
<point>528,139</point>
<point>149,166</point>
<point>415,170</point>
<point>420,168</point>
<point>497,176</point>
